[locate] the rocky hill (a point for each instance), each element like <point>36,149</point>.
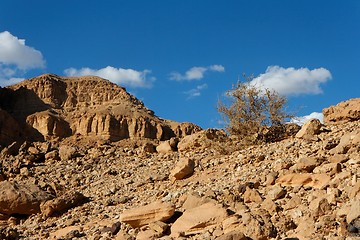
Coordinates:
<point>202,186</point>
<point>49,107</point>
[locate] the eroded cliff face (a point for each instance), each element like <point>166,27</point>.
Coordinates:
<point>50,106</point>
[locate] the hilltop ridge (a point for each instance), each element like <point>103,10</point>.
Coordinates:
<point>50,106</point>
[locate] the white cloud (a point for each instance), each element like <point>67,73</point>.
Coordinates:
<point>196,92</point>
<point>120,76</point>
<point>195,73</point>
<point>14,52</point>
<point>217,68</point>
<point>16,58</point>
<point>301,120</point>
<point>291,81</point>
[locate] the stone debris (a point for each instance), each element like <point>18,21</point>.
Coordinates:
<point>208,186</point>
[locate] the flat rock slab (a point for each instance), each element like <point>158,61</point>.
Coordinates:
<point>153,212</point>
<point>198,219</point>
<point>304,179</point>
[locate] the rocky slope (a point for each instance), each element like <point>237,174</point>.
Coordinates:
<point>204,186</point>
<point>50,107</point>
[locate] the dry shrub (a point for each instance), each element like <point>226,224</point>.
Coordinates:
<point>254,114</point>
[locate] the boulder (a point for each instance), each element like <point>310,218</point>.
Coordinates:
<point>153,212</point>
<point>276,192</point>
<point>62,203</point>
<point>164,147</point>
<point>305,164</point>
<point>202,139</point>
<point>252,195</point>
<point>233,235</point>
<point>309,130</point>
<point>354,211</point>
<point>254,224</point>
<point>304,179</point>
<point>198,219</point>
<point>184,168</point>
<point>319,207</point>
<point>67,152</point>
<point>18,198</point>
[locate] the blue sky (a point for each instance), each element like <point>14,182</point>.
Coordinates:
<point>180,56</point>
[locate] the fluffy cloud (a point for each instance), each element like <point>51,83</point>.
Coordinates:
<point>16,58</point>
<point>291,81</point>
<point>195,92</point>
<point>303,119</point>
<point>195,73</point>
<point>14,52</point>
<point>120,76</point>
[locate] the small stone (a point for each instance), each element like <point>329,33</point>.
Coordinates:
<point>276,192</point>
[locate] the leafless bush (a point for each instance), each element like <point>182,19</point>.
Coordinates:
<point>250,111</point>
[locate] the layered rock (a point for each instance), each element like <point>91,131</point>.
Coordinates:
<point>50,106</point>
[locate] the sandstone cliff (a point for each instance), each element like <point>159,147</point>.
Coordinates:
<point>49,106</point>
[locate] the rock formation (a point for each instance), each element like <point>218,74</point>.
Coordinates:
<point>346,111</point>
<point>50,106</point>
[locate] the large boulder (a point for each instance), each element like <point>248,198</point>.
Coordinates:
<point>17,198</point>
